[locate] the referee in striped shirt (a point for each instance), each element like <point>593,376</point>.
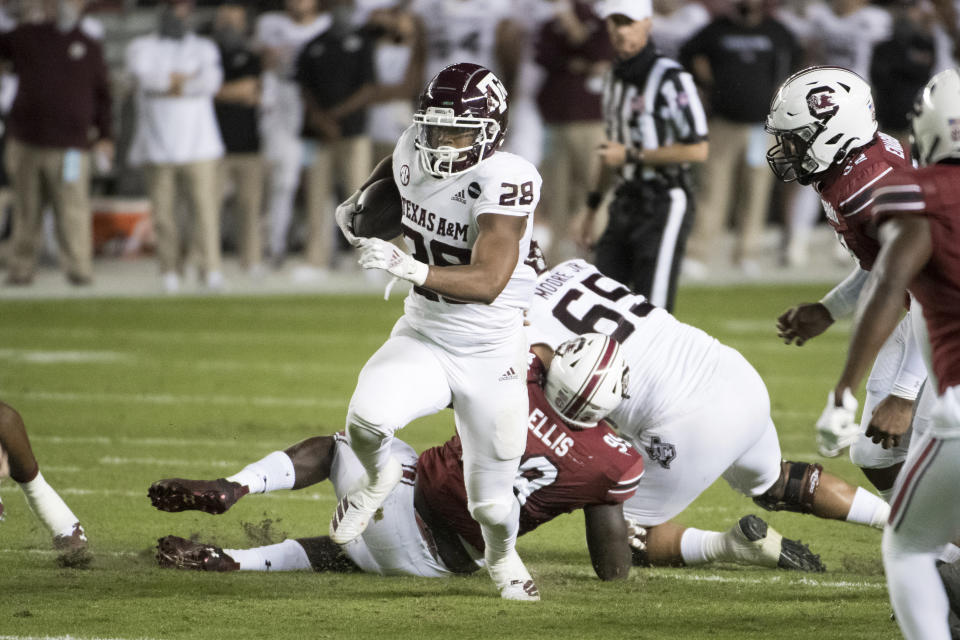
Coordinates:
<point>656,127</point>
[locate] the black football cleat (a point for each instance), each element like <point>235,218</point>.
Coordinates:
<point>209,496</point>
<point>174,552</point>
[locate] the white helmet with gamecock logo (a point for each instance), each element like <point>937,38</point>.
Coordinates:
<point>819,116</point>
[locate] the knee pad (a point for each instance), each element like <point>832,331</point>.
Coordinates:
<point>491,513</point>
<point>794,489</point>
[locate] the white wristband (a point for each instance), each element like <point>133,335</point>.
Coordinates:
<point>418,274</point>
<point>841,301</point>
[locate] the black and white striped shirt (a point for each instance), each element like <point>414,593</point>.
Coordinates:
<point>650,101</point>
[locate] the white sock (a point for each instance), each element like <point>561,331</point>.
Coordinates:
<point>271,473</point>
<point>49,506</point>
<point>868,509</point>
<point>950,553</point>
<point>886,494</point>
<point>699,547</point>
<point>285,556</point>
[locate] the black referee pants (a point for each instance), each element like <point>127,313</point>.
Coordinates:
<point>645,239</point>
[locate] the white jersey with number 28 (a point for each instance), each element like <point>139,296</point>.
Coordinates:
<point>440,228</point>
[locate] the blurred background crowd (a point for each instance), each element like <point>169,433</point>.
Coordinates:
<point>192,132</point>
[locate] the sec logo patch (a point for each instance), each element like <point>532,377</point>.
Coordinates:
<point>404,175</point>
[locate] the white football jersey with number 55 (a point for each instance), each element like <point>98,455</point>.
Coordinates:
<point>440,228</point>
<point>670,362</point>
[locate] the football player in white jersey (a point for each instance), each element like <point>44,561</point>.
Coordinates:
<point>467,220</point>
<point>697,410</point>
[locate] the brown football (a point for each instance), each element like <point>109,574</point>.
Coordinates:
<point>379,211</point>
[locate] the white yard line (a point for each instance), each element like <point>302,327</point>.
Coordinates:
<point>53,552</point>
<point>155,442</point>
<point>64,638</point>
<point>769,327</point>
<point>173,399</point>
<point>807,582</point>
<point>296,338</point>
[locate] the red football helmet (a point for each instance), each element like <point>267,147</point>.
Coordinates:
<point>461,118</point>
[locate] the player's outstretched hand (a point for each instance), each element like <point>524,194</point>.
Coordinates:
<point>344,215</point>
<point>891,419</point>
<point>837,427</point>
<point>802,322</point>
<point>380,254</point>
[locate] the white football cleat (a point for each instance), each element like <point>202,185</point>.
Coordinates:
<point>513,579</point>
<point>752,541</point>
<point>837,427</point>
<point>357,508</point>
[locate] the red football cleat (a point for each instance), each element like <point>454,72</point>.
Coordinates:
<point>209,496</point>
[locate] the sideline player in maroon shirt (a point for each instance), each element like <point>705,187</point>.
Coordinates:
<point>917,215</point>
<point>572,461</point>
<point>823,118</point>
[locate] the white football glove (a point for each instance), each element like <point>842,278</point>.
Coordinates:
<point>344,216</point>
<point>636,535</point>
<point>837,427</point>
<point>380,254</point>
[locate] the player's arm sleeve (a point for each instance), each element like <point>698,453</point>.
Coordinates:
<point>513,193</point>
<point>913,369</point>
<point>607,541</point>
<point>842,299</point>
<point>626,486</point>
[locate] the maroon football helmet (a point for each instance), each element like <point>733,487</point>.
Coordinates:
<point>461,119</point>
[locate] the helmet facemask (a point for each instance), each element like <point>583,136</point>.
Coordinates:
<point>437,125</point>
<point>790,158</point>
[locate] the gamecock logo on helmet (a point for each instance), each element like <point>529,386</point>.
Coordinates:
<point>820,102</point>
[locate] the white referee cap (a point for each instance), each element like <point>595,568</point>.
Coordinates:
<point>633,9</point>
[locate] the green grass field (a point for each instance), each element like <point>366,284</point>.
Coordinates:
<point>119,393</point>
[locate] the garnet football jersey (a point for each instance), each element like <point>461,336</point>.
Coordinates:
<point>670,362</point>
<point>440,228</point>
<point>847,191</point>
<point>933,192</point>
<point>563,469</point>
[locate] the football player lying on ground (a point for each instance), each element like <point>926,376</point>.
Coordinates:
<point>18,462</point>
<point>696,410</point>
<point>573,460</point>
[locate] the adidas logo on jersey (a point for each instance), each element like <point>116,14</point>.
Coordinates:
<point>460,196</point>
<point>511,374</point>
